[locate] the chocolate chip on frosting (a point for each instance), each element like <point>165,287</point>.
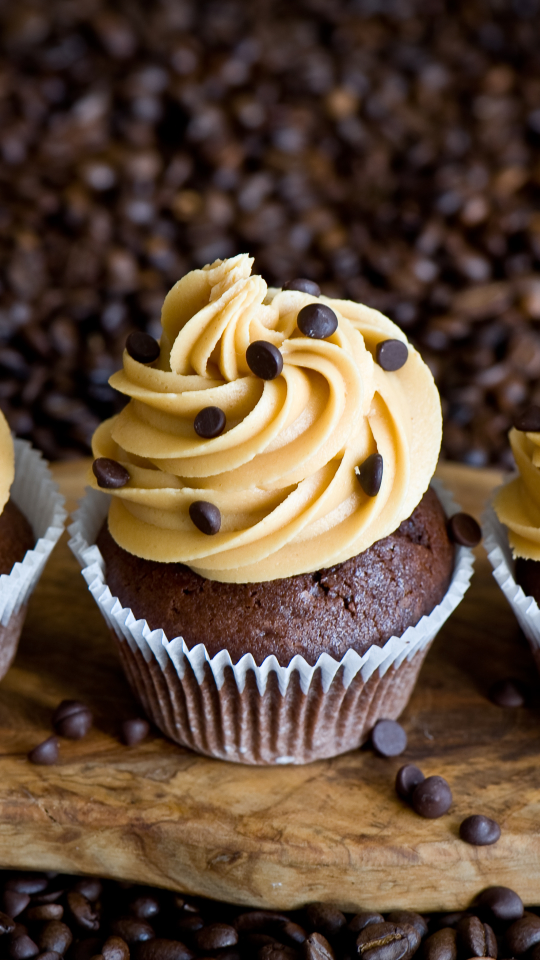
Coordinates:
<point>318,321</point>
<point>209,422</point>
<point>142,347</point>
<point>370,474</point>
<point>264,360</point>
<point>304,286</point>
<point>391,354</point>
<point>529,420</point>
<point>464,530</point>
<point>205,516</point>
<point>110,474</point>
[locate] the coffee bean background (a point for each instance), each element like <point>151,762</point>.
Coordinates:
<point>386,149</point>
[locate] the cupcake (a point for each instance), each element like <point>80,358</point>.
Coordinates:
<point>31,521</point>
<point>269,554</point>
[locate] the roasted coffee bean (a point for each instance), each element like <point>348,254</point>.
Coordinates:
<point>304,286</point>
<point>22,947</point>
<point>529,420</point>
<point>45,753</point>
<point>441,945</point>
<point>370,474</point>
<point>132,930</point>
<point>277,951</point>
<point>452,919</point>
<point>134,731</point>
<point>507,693</point>
<point>14,902</point>
<point>160,949</point>
<point>409,917</point>
<point>115,948</point>
<point>293,932</point>
<point>189,923</point>
<point>264,360</point>
<point>209,422</point>
<point>30,884</point>
<point>259,921</point>
<point>144,907</point>
<point>72,719</point>
<point>110,474</point>
<point>500,904</point>
<point>391,355</point>
<point>85,949</point>
<point>256,941</point>
<point>475,939</point>
<point>83,912</point>
<point>316,947</point>
<point>216,936</point>
<point>523,934</point>
<point>407,778</point>
<point>464,530</point>
<point>325,918</point>
<point>48,955</point>
<point>90,887</point>
<point>45,911</point>
<point>205,516</point>
<point>362,920</point>
<point>479,831</point>
<point>7,924</point>
<point>382,941</point>
<point>142,347</point>
<point>432,798</point>
<point>317,320</point>
<point>56,936</point>
<point>388,738</point>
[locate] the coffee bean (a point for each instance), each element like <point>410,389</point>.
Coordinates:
<point>161,949</point>
<point>507,693</point>
<point>464,530</point>
<point>432,798</point>
<point>110,474</point>
<point>529,420</point>
<point>409,917</point>
<point>205,516</point>
<point>475,939</point>
<point>45,753</point>
<point>304,286</point>
<point>6,924</point>
<point>316,947</point>
<point>22,948</point>
<point>317,320</point>
<point>14,902</point>
<point>293,932</point>
<point>264,360</point>
<point>479,831</point>
<point>144,907</point>
<point>216,936</point>
<point>134,731</point>
<point>72,719</point>
<point>259,921</point>
<point>142,347</point>
<point>325,917</point>
<point>391,355</point>
<point>388,738</point>
<point>523,934</point>
<point>56,936</point>
<point>46,911</point>
<point>83,912</point>
<point>189,923</point>
<point>452,919</point>
<point>90,887</point>
<point>277,951</point>
<point>382,941</point>
<point>30,884</point>
<point>407,778</point>
<point>115,948</point>
<point>132,930</point>
<point>85,949</point>
<point>362,920</point>
<point>441,945</point>
<point>370,474</point>
<point>209,422</point>
<point>48,955</point>
<point>500,903</point>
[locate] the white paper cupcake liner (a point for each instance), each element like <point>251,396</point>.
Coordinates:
<point>270,713</point>
<point>36,494</point>
<point>499,554</point>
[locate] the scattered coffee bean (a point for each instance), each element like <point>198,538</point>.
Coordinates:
<point>110,474</point>
<point>441,945</point>
<point>264,360</point>
<point>475,939</point>
<point>56,936</point>
<point>132,930</point>
<point>14,902</point>
<point>304,286</point>
<point>382,941</point>
<point>523,934</point>
<point>391,355</point>
<point>205,516</point>
<point>316,947</point>
<point>161,949</point>
<point>144,907</point>
<point>22,948</point>
<point>30,883</point>
<point>209,422</point>
<point>370,474</point>
<point>82,911</point>
<point>90,887</point>
<point>317,320</point>
<point>362,920</point>
<point>500,903</point>
<point>388,738</point>
<point>325,917</point>
<point>216,936</point>
<point>142,347</point>
<point>507,693</point>
<point>464,530</point>
<point>7,924</point>
<point>407,778</point>
<point>72,719</point>
<point>134,731</point>
<point>415,920</point>
<point>45,753</point>
<point>189,923</point>
<point>479,831</point>
<point>45,911</point>
<point>529,420</point>
<point>115,948</point>
<point>432,798</point>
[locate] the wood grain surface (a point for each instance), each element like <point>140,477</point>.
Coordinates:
<point>333,830</point>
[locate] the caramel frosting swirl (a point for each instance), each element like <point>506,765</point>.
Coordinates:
<point>282,473</point>
<point>517,504</point>
<point>7,461</point>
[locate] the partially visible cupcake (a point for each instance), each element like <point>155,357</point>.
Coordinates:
<point>31,521</point>
<point>273,563</point>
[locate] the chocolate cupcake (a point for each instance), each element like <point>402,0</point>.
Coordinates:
<point>273,564</point>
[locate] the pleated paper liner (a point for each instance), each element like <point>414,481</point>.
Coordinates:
<point>265,714</point>
<point>36,494</point>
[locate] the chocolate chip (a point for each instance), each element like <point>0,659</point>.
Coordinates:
<point>475,939</point>
<point>382,941</point>
<point>316,947</point>
<point>56,936</point>
<point>388,738</point>
<point>523,934</point>
<point>325,917</point>
<point>110,474</point>
<point>162,949</point>
<point>317,320</point>
<point>304,286</point>
<point>500,903</point>
<point>22,948</point>
<point>115,948</point>
<point>132,930</point>
<point>205,516</point>
<point>391,354</point>
<point>441,945</point>
<point>45,753</point>
<point>264,360</point>
<point>216,936</point>
<point>407,778</point>
<point>142,347</point>
<point>209,422</point>
<point>529,420</point>
<point>134,731</point>
<point>370,474</point>
<point>14,902</point>
<point>72,719</point>
<point>464,530</point>
<point>479,831</point>
<point>432,798</point>
<point>507,693</point>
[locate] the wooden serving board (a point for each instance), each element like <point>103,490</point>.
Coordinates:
<point>333,830</point>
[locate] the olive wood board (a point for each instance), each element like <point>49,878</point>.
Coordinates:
<point>272,837</point>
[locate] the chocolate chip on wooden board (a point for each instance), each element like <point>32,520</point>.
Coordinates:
<point>407,778</point>
<point>499,904</point>
<point>388,738</point>
<point>45,753</point>
<point>479,831</point>
<point>134,731</point>
<point>509,693</point>
<point>432,798</point>
<point>72,719</point>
